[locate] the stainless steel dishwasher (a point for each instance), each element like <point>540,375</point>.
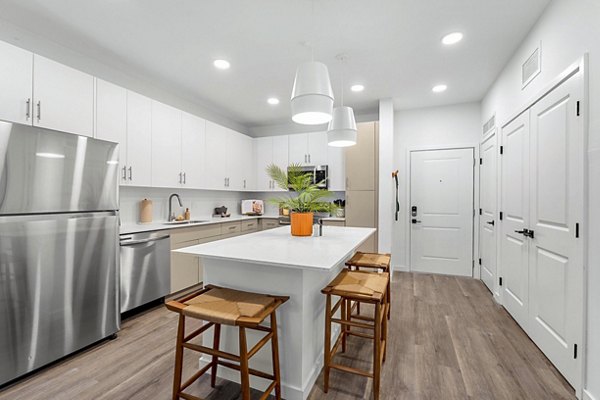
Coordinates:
<point>145,268</point>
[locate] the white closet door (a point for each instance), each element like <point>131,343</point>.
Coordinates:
<point>16,71</point>
<point>488,219</point>
<point>166,146</point>
<point>556,265</point>
<point>514,246</point>
<point>441,192</point>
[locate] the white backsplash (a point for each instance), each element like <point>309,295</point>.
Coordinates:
<point>200,202</point>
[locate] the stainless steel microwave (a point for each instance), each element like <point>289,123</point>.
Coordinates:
<point>319,174</point>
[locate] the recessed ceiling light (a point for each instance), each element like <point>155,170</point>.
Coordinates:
<point>452,38</point>
<point>439,88</point>
<point>221,64</point>
<point>273,101</point>
<point>357,88</point>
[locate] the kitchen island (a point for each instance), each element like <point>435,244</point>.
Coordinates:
<point>275,262</point>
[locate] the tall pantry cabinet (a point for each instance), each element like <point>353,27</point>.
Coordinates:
<point>361,182</point>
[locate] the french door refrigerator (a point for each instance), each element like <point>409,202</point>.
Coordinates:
<point>58,245</point>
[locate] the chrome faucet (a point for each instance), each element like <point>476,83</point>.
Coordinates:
<point>171,216</point>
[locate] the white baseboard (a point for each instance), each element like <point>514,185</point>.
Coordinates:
<point>588,396</point>
<point>401,268</point>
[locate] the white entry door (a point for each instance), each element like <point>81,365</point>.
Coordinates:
<point>441,213</point>
<point>514,246</point>
<point>488,218</point>
<point>556,264</point>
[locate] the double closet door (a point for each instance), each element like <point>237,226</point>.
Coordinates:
<point>541,252</point>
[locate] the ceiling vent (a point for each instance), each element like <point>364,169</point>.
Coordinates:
<point>531,67</point>
<point>489,125</point>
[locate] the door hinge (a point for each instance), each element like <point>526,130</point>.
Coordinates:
<point>501,215</point>
<point>481,161</point>
<point>577,230</point>
<point>578,112</point>
<point>480,261</point>
<point>575,351</point>
<point>501,149</point>
<point>480,211</point>
<point>500,281</point>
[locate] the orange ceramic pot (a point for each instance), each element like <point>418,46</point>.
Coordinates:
<point>302,223</point>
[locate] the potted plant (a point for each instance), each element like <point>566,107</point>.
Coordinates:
<point>307,198</point>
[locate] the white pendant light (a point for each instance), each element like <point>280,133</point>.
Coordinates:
<point>312,96</point>
<point>342,130</point>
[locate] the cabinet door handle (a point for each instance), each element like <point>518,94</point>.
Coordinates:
<point>305,159</point>
<point>124,173</point>
<point>184,178</point>
<point>309,158</point>
<point>244,184</point>
<point>130,173</point>
<point>28,110</point>
<point>347,183</point>
<point>39,110</point>
<point>225,182</point>
<point>180,178</point>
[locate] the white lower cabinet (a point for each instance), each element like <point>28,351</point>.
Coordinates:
<point>64,97</point>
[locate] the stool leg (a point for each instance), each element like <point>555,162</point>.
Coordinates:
<point>275,353</point>
<point>327,351</point>
<point>215,359</point>
<point>377,352</point>
<point>344,310</point>
<point>245,373</point>
<point>384,335</point>
<point>178,357</point>
<point>389,298</point>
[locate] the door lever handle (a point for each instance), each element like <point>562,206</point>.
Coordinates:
<point>491,222</point>
<point>521,232</point>
<point>416,221</point>
<point>527,233</point>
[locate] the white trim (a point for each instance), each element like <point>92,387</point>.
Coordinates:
<point>400,268</point>
<point>475,239</point>
<point>587,395</point>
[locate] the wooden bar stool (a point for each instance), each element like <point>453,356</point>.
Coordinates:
<point>373,261</point>
<point>360,287</point>
<point>218,306</point>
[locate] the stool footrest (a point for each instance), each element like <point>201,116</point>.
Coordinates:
<point>254,372</point>
<point>212,352</point>
<point>360,334</point>
<point>351,370</point>
<point>351,323</point>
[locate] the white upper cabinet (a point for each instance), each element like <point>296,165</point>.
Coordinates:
<point>166,146</point>
<point>298,149</point>
<point>16,86</point>
<point>317,148</point>
<point>139,140</point>
<point>263,151</point>
<point>240,168</point>
<point>280,154</point>
<point>308,148</point>
<point>64,97</point>
<point>215,164</point>
<point>111,119</point>
<point>193,139</point>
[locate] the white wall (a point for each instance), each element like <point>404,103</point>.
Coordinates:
<point>567,30</point>
<point>455,125</point>
<point>386,207</point>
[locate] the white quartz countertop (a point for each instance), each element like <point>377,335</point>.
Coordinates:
<point>277,247</point>
<point>161,225</point>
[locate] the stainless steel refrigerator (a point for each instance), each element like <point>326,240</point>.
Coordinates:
<point>58,245</point>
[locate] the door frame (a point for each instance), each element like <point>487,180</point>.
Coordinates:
<point>580,65</point>
<point>474,146</point>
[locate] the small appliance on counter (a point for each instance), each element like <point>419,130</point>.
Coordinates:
<point>253,207</point>
<point>340,212</point>
<point>221,212</point>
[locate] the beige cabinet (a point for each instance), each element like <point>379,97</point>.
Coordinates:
<point>335,222</point>
<point>185,268</point>
<point>361,183</point>
<point>269,223</point>
<point>361,159</point>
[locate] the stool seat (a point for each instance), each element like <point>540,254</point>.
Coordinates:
<point>370,260</point>
<point>229,307</point>
<point>359,283</point>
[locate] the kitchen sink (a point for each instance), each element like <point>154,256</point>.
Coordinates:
<point>193,221</point>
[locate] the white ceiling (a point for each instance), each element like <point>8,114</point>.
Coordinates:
<point>393,46</point>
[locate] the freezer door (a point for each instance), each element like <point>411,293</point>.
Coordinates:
<point>58,287</point>
<point>44,171</point>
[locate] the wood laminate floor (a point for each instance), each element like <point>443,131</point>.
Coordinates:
<point>447,340</point>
